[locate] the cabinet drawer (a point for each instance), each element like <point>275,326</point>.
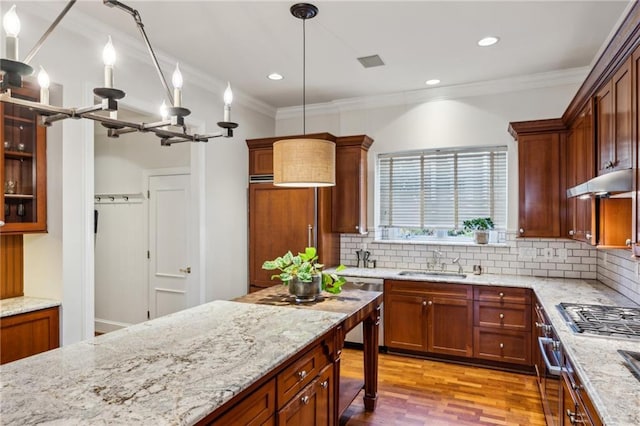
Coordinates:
<point>461,291</point>
<point>507,316</point>
<point>502,345</point>
<point>257,409</point>
<point>299,374</point>
<point>502,294</point>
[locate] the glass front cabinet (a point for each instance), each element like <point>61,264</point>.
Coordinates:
<point>23,167</point>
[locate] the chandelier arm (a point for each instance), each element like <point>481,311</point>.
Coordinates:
<point>34,50</point>
<point>36,106</point>
<point>138,20</point>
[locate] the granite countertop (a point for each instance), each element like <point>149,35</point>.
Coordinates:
<point>172,370</point>
<point>24,304</point>
<point>614,391</point>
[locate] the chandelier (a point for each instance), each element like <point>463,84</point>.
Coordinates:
<point>170,129</point>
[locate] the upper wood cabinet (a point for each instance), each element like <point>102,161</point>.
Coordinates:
<point>23,167</point>
<point>614,122</point>
<point>542,178</point>
<point>350,193</point>
<point>580,168</point>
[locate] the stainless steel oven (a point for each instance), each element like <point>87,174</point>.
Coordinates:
<point>549,367</point>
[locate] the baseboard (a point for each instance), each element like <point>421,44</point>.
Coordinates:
<point>105,326</point>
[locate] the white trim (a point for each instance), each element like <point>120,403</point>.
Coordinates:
<point>106,326</point>
<point>512,84</point>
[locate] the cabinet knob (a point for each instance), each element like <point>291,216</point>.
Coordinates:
<point>304,400</point>
<point>573,417</point>
<point>628,242</point>
<point>588,236</point>
<point>324,384</point>
<point>572,232</point>
<point>521,230</point>
<point>302,374</point>
<point>430,303</point>
<point>501,345</point>
<point>501,316</point>
<point>501,295</point>
<point>424,303</point>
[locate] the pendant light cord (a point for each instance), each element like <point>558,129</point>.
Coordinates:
<point>304,77</point>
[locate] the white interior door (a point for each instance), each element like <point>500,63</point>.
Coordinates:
<point>169,255</point>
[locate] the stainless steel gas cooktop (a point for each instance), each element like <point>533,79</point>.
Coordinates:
<point>600,320</point>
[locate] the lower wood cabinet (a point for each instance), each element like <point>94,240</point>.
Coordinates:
<point>577,408</point>
<point>429,317</point>
<point>302,391</point>
<point>28,334</point>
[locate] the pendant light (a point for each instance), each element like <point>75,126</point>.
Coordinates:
<point>304,162</point>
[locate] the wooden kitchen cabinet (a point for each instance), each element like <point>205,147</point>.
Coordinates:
<point>27,334</point>
<point>429,317</point>
<point>350,192</point>
<point>581,214</point>
<point>542,178</point>
<point>614,122</point>
<point>502,324</point>
<point>23,167</point>
<point>313,405</point>
<point>257,410</point>
<point>577,407</point>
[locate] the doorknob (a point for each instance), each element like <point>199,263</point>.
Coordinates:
<point>186,270</point>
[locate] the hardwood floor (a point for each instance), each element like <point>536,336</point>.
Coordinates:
<point>420,392</point>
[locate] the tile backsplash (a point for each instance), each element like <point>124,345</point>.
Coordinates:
<point>540,257</point>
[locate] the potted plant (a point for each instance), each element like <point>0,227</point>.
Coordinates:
<point>480,227</point>
<point>303,274</point>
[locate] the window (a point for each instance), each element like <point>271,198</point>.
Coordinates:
<point>429,194</point>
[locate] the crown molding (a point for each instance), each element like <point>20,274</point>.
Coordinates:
<point>505,85</point>
<point>134,49</point>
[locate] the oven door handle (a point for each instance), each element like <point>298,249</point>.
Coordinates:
<point>555,370</point>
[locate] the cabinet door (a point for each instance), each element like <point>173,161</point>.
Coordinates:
<point>279,220</point>
<point>22,167</point>
<point>623,124</point>
<point>27,334</point>
<point>540,162</point>
<point>258,409</point>
<point>604,126</point>
<point>350,192</point>
<point>450,325</point>
<point>404,326</point>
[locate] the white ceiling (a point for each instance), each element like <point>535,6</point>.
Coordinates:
<point>244,41</point>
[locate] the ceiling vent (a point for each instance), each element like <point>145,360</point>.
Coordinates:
<point>371,61</point>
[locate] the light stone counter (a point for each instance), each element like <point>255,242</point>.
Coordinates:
<point>172,370</point>
<point>614,391</point>
<point>24,304</point>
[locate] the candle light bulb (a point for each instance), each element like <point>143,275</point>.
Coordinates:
<point>109,54</point>
<point>11,22</point>
<point>164,112</point>
<point>43,79</point>
<point>177,78</point>
<point>228,95</point>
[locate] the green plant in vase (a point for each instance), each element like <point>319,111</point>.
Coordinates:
<point>303,274</point>
<point>480,227</point>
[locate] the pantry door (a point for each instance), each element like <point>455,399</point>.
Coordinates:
<point>169,244</point>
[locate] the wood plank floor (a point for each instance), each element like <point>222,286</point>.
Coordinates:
<point>420,392</point>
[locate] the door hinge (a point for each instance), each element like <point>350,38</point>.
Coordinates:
<point>148,315</point>
<point>148,194</point>
<point>148,254</point>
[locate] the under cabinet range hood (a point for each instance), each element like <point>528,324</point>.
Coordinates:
<point>614,184</point>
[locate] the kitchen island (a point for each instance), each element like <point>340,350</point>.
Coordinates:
<point>185,368</point>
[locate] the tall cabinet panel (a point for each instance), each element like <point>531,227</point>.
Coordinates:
<point>283,219</point>
<point>542,178</point>
<point>22,167</point>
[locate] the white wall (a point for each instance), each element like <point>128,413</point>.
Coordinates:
<point>459,120</point>
<point>72,57</point>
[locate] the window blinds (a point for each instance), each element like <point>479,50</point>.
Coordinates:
<point>442,188</point>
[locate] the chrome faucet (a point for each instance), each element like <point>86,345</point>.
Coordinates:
<point>457,261</point>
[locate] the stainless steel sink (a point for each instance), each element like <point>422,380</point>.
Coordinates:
<point>427,274</point>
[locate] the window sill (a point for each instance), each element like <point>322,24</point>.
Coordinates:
<point>442,242</point>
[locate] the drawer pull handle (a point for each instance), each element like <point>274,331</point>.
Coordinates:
<point>304,400</point>
<point>501,345</point>
<point>501,316</point>
<point>302,374</point>
<point>574,418</point>
<point>324,384</point>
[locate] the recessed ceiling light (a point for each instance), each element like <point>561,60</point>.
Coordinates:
<point>432,82</point>
<point>275,76</point>
<point>488,41</point>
